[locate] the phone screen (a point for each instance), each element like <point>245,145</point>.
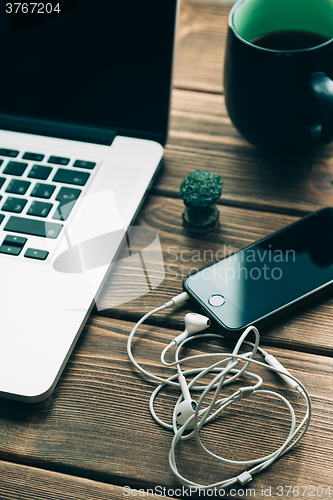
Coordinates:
<point>269,275</point>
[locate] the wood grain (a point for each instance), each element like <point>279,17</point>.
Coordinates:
<point>308,329</point>
<point>94,434</point>
<point>97,423</point>
<point>202,137</point>
<point>201,45</point>
<point>36,484</point>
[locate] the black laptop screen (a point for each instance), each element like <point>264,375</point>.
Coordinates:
<point>104,63</point>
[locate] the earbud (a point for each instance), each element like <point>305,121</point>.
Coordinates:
<point>186,408</point>
<point>194,323</point>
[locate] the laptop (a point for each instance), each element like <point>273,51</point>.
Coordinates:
<point>84,107</point>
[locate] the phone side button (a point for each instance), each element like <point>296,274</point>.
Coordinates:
<point>216,300</point>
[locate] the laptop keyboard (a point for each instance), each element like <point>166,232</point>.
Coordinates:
<point>38,193</point>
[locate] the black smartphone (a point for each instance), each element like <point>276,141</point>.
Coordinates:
<point>254,284</point>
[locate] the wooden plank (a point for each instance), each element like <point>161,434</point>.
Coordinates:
<point>97,423</point>
<point>19,482</point>
<point>308,329</point>
<point>201,45</point>
<point>202,137</point>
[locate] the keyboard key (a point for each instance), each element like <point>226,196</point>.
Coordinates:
<point>42,191</point>
<point>40,172</point>
<point>10,250</point>
<point>17,241</point>
<point>66,194</point>
<point>57,160</point>
<point>1,162</point>
<point>67,198</point>
<point>15,168</point>
<point>33,227</point>
<point>15,205</point>
<point>71,177</point>
<point>39,209</point>
<point>2,181</point>
<point>33,253</point>
<point>11,153</point>
<point>1,218</point>
<point>84,164</point>
<point>18,187</point>
<point>33,156</point>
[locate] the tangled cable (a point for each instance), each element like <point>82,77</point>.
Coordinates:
<point>191,416</point>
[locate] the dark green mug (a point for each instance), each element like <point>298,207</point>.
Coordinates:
<point>278,72</point>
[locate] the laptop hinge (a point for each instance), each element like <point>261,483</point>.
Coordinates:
<point>74,132</point>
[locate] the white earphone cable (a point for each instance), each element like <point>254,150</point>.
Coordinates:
<point>196,415</point>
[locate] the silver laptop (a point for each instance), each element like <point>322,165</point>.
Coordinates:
<point>84,106</point>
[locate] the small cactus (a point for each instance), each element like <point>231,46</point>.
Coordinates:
<point>199,191</point>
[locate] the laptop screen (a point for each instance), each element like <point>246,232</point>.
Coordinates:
<point>100,63</point>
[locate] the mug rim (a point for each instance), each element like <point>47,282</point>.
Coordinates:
<point>265,49</point>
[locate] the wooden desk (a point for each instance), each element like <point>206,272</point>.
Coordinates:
<point>95,435</point>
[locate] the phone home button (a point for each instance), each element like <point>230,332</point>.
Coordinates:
<point>216,300</point>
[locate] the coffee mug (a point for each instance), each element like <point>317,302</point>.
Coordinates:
<point>278,72</point>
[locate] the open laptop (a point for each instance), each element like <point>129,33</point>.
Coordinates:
<point>84,106</point>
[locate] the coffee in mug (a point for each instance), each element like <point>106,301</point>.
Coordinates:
<point>278,72</point>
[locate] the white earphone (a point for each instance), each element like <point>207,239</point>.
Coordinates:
<point>194,323</point>
<point>187,411</point>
